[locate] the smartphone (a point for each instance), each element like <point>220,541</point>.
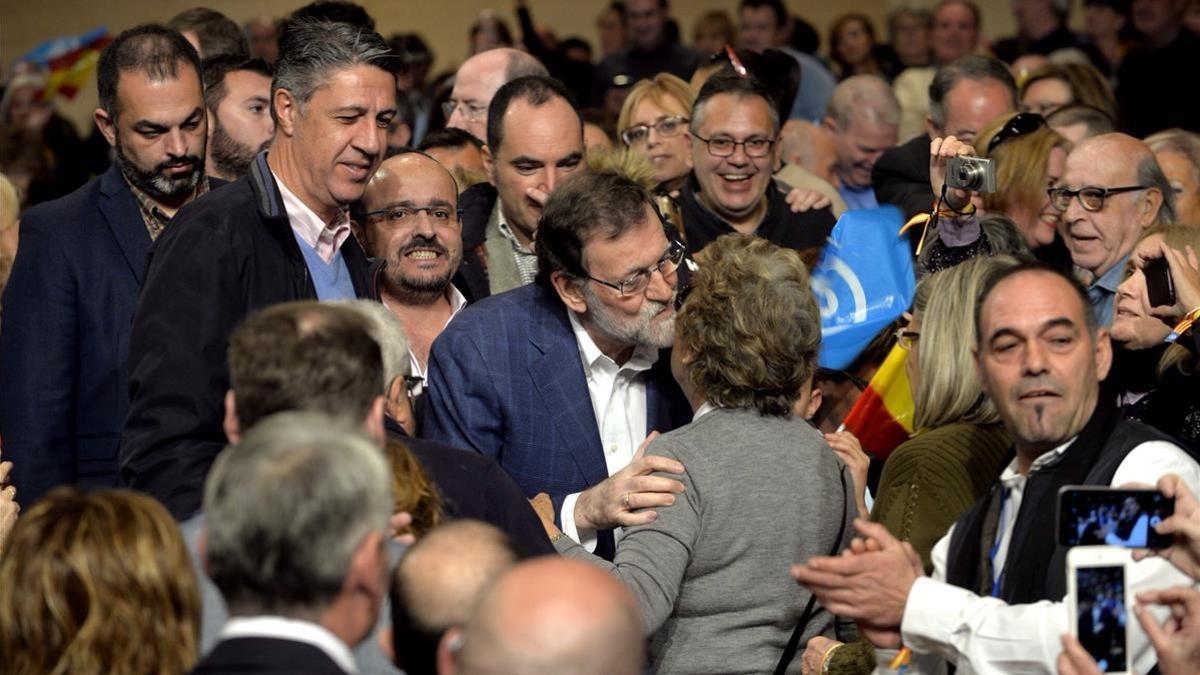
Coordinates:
<point>1160,289</point>
<point>1098,602</point>
<point>1096,515</point>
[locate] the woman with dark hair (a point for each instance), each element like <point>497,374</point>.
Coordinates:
<point>713,562</point>
<point>97,583</point>
<point>853,47</point>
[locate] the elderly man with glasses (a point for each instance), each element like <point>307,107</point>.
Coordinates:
<point>734,135</point>
<point>1111,191</point>
<point>562,380</point>
<point>477,81</point>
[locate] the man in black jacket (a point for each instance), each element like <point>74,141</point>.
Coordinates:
<point>964,97</point>
<point>280,233</point>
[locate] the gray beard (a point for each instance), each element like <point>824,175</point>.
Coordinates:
<point>155,183</point>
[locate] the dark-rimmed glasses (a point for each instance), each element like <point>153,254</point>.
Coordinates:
<point>638,282</point>
<point>666,127</point>
<point>404,215</point>
<point>1017,125</point>
<point>1090,198</point>
<point>722,146</point>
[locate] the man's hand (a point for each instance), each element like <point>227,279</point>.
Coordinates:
<point>803,199</point>
<point>1176,641</point>
<point>627,497</point>
<point>865,584</point>
<point>401,526</point>
<point>1074,659</point>
<point>1185,525</point>
<point>940,152</point>
<point>813,659</point>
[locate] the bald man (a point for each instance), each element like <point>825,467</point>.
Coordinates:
<point>411,222</point>
<point>549,615</point>
<point>1101,226</point>
<point>477,81</point>
<point>437,585</point>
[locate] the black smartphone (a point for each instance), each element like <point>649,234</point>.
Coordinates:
<point>1160,289</point>
<point>1104,516</point>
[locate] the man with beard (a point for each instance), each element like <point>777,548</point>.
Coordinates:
<point>561,380</point>
<point>75,280</point>
<point>279,233</point>
<point>411,223</point>
<point>237,96</point>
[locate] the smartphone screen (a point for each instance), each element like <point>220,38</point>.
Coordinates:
<point>1112,517</point>
<point>1160,289</point>
<point>1100,616</point>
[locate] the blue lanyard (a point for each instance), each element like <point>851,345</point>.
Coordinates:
<point>998,574</point>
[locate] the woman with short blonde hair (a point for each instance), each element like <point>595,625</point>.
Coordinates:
<point>654,124</point>
<point>97,583</point>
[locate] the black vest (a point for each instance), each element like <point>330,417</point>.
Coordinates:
<point>1035,568</point>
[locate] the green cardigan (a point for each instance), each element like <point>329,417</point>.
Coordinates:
<point>926,485</point>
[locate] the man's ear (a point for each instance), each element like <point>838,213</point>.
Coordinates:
<point>1152,201</point>
<point>1103,353</point>
<point>814,401</point>
<point>107,126</point>
<point>932,129</point>
<point>447,651</point>
<point>287,111</point>
<point>231,425</point>
<point>570,292</point>
<point>489,163</point>
<point>374,421</point>
<point>211,124</point>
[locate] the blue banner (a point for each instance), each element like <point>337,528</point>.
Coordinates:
<point>863,282</point>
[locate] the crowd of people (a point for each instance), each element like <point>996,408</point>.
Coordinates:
<point>311,362</point>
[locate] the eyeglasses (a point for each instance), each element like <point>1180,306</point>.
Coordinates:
<point>404,215</point>
<point>665,126</point>
<point>471,112</point>
<point>637,283</point>
<point>1090,198</point>
<point>907,339</point>
<point>1017,125</point>
<point>723,146</point>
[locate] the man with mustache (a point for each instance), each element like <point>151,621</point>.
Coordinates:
<point>279,233</point>
<point>237,96</point>
<point>996,599</point>
<point>75,280</point>
<point>411,222</point>
<point>562,380</point>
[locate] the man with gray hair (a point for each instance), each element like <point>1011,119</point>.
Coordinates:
<point>296,540</point>
<point>477,81</point>
<point>965,95</point>
<point>280,233</point>
<point>863,119</point>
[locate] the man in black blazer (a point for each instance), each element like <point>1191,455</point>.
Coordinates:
<point>70,300</point>
<point>279,233</point>
<point>296,539</point>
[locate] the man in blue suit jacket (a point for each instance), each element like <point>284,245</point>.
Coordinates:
<point>70,300</point>
<point>562,380</point>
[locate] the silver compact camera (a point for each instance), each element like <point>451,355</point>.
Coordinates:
<point>974,174</point>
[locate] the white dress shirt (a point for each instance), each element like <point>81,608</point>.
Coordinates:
<point>291,629</point>
<point>986,635</point>
<point>618,396</point>
<point>324,238</point>
<point>457,302</point>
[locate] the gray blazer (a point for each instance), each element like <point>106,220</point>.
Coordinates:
<point>711,573</point>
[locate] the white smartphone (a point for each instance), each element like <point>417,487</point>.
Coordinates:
<point>1098,602</point>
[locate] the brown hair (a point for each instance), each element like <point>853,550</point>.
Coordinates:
<point>1020,166</point>
<point>97,583</point>
<point>1087,85</point>
<point>752,322</point>
<point>414,492</point>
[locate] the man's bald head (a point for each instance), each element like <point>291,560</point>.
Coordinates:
<point>552,615</point>
<point>393,171</point>
<point>477,81</point>
<point>437,585</point>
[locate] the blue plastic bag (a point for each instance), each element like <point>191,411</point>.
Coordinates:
<point>863,282</point>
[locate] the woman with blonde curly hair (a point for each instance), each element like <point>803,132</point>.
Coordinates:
<point>761,487</point>
<point>97,583</point>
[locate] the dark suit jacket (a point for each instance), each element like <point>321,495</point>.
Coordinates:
<point>476,203</point>
<point>63,351</point>
<point>225,256</point>
<point>901,177</point>
<point>266,655</point>
<point>506,380</point>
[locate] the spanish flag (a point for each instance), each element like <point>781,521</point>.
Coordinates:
<point>882,417</point>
